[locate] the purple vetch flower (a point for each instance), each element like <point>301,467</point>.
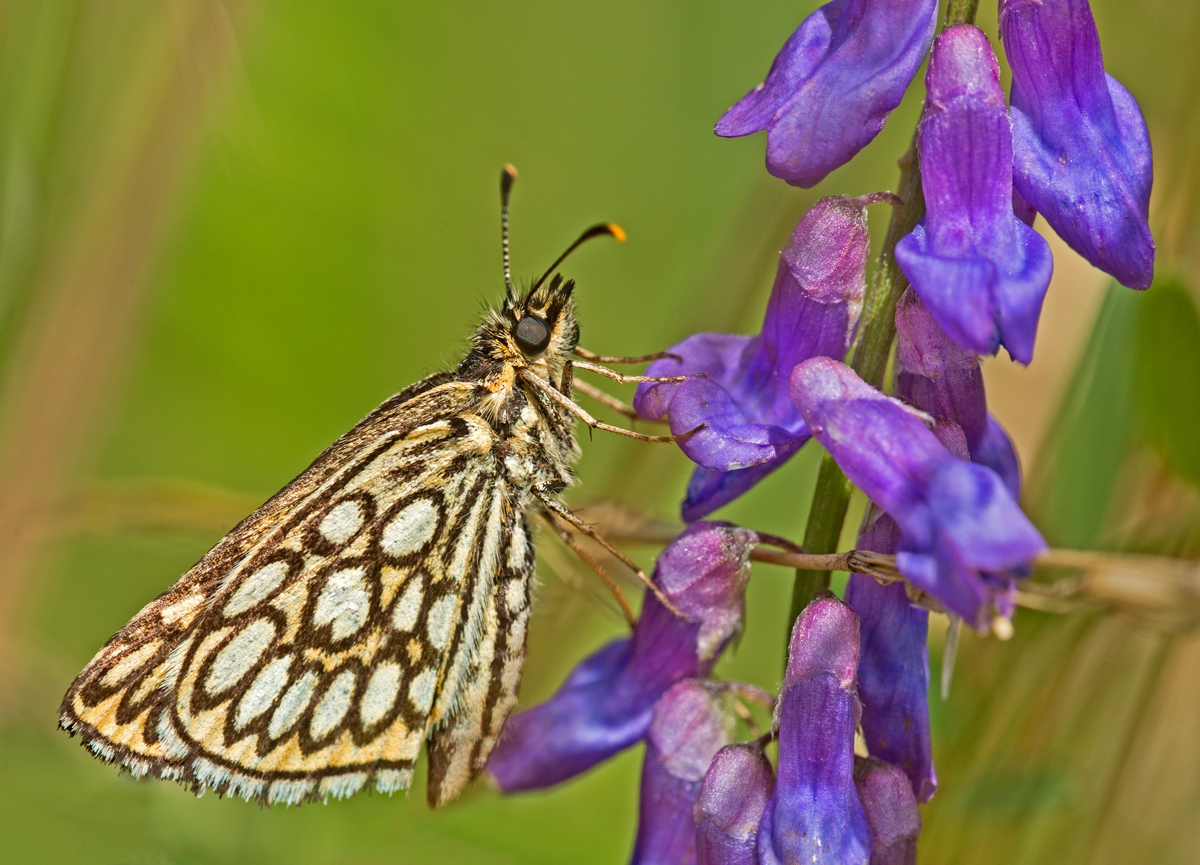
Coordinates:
<point>893,671</point>
<point>606,703</point>
<point>813,815</point>
<point>730,805</point>
<point>833,84</point>
<point>689,727</point>
<point>752,425</point>
<point>938,376</point>
<point>1081,150</point>
<point>958,522</point>
<point>982,272</point>
<point>891,810</point>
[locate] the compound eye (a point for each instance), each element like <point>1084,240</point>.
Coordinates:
<point>532,335</point>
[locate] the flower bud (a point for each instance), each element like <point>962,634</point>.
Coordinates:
<point>813,814</point>
<point>730,805</point>
<point>891,812</point>
<point>688,729</point>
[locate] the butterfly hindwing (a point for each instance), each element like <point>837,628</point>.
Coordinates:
<point>315,649</point>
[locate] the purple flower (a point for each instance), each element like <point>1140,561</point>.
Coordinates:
<point>891,811</point>
<point>688,729</point>
<point>958,522</point>
<point>730,805</point>
<point>833,84</point>
<point>938,376</point>
<point>606,703</point>
<point>741,394</point>
<point>893,672</point>
<point>814,814</point>
<point>981,271</point>
<point>1081,150</point>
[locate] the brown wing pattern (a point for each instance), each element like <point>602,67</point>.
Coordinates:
<point>314,650</point>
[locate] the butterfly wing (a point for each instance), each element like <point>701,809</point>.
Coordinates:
<point>353,616</point>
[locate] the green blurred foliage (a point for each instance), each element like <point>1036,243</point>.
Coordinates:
<point>335,241</point>
<point>1167,376</point>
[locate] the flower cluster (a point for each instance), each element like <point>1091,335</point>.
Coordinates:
<point>941,475</point>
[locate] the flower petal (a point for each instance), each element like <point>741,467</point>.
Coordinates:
<point>606,703</point>
<point>891,811</point>
<point>893,675</point>
<point>739,389</point>
<point>730,805</point>
<point>982,272</point>
<point>813,814</point>
<point>833,85</point>
<point>1081,150</point>
<point>688,729</point>
<point>956,518</point>
<point>935,374</point>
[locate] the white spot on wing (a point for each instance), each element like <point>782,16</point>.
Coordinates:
<point>404,614</point>
<point>344,601</point>
<point>239,655</point>
<point>514,595</point>
<point>342,521</point>
<point>131,662</point>
<point>517,546</point>
<point>420,691</point>
<point>256,587</point>
<point>263,691</point>
<point>180,609</point>
<point>439,621</point>
<point>333,705</point>
<point>381,693</point>
<point>293,704</point>
<point>410,529</point>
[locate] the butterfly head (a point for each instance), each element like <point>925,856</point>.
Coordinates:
<point>536,330</point>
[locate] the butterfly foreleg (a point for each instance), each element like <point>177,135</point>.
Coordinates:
<point>546,497</point>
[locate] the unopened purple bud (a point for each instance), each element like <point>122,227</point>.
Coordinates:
<point>957,520</point>
<point>980,270</point>
<point>891,810</point>
<point>1081,150</point>
<point>688,729</point>
<point>739,389</point>
<point>606,703</point>
<point>730,805</point>
<point>813,814</point>
<point>833,84</point>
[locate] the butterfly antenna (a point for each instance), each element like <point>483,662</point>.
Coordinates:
<point>610,229</point>
<point>507,175</point>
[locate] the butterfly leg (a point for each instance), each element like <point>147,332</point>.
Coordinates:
<point>645,358</point>
<point>552,521</point>
<point>616,376</point>
<point>552,504</point>
<point>606,400</point>
<point>581,413</point>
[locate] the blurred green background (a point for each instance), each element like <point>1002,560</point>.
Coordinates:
<point>230,229</point>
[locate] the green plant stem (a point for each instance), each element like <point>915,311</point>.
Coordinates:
<point>872,348</point>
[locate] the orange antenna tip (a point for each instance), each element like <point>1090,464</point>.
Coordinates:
<point>510,170</point>
<point>616,231</point>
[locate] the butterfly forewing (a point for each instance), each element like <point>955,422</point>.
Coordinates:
<point>379,600</point>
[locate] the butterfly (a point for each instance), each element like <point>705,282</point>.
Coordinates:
<point>378,603</point>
